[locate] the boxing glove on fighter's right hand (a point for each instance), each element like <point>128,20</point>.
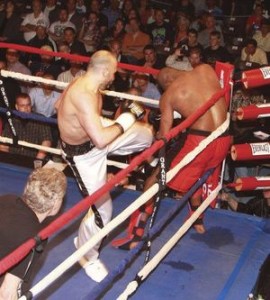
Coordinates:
<point>131,113</point>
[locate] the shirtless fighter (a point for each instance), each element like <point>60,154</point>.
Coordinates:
<point>184,93</point>
<point>86,141</point>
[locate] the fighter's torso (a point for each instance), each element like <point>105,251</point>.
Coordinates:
<point>70,127</point>
<point>190,90</point>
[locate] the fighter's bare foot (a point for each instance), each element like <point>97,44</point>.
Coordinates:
<point>133,245</point>
<point>199,228</point>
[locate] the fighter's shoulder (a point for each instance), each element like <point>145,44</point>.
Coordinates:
<point>77,90</point>
<point>204,68</point>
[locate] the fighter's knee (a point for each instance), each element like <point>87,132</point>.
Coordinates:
<point>146,129</point>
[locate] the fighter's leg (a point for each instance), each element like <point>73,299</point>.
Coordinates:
<point>90,170</point>
<point>135,139</point>
<point>194,202</point>
<point>138,219</point>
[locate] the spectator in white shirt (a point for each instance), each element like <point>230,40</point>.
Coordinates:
<point>43,98</point>
<point>253,54</point>
<point>56,29</point>
<point>76,70</point>
<point>28,26</point>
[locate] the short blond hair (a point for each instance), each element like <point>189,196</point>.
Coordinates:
<point>44,188</point>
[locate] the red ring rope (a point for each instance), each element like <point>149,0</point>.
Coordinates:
<point>75,57</point>
<point>19,253</point>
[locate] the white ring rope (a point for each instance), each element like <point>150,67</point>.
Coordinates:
<point>63,85</point>
<point>152,264</point>
<point>131,97</point>
<point>71,260</point>
<point>6,140</point>
<point>30,78</point>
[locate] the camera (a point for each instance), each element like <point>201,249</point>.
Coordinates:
<point>184,50</point>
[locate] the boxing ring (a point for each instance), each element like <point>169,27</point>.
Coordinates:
<point>221,264</point>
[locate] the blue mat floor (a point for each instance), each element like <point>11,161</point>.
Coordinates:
<point>221,264</point>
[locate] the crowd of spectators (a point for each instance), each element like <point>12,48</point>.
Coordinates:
<point>176,33</point>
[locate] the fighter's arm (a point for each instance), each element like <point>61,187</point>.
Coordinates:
<point>88,114</point>
<point>167,113</point>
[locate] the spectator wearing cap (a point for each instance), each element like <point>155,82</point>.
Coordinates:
<point>28,26</point>
<point>253,54</point>
<point>40,39</point>
<point>45,64</point>
<point>56,29</point>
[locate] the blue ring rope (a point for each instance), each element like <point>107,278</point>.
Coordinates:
<point>108,280</point>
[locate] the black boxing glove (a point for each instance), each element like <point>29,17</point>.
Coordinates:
<point>132,112</point>
<point>154,117</point>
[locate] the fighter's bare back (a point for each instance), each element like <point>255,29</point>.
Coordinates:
<point>187,91</point>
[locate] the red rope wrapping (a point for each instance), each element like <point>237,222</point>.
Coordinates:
<point>19,253</point>
<point>252,151</point>
<point>256,77</point>
<point>75,57</point>
<point>253,112</point>
<point>252,183</point>
<point>232,185</point>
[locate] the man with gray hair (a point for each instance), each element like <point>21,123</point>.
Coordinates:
<point>21,219</point>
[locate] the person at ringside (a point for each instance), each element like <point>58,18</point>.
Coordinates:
<point>22,218</point>
<point>87,139</point>
<point>185,97</point>
<point>29,131</point>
